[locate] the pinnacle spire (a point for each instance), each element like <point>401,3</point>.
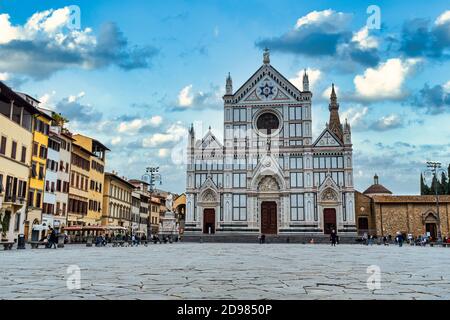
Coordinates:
<point>335,123</point>
<point>266,56</point>
<point>305,81</point>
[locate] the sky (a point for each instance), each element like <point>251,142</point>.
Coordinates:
<point>136,74</point>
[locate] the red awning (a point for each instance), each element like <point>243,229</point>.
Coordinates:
<point>73,228</point>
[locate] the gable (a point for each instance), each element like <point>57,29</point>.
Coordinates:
<point>327,139</point>
<point>267,84</point>
<point>209,143</point>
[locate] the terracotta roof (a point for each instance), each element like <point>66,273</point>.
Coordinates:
<point>377,189</point>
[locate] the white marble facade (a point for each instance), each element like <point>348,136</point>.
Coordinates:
<point>269,175</point>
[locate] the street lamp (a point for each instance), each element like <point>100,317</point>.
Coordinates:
<point>434,168</point>
<point>152,175</point>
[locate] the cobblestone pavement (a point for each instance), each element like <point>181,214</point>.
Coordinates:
<point>227,271</point>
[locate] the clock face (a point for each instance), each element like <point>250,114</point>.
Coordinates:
<point>267,123</point>
<point>266,90</point>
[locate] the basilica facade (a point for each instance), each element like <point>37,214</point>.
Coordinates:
<point>270,175</point>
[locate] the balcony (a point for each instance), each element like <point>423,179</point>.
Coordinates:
<point>14,200</point>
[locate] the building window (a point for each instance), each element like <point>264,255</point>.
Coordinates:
<point>239,180</point>
<point>296,179</point>
<point>3,146</point>
<point>296,163</point>
<point>297,207</point>
<point>38,199</point>
<point>14,150</point>
<point>239,115</point>
<point>41,172</point>
<point>295,130</point>
<point>239,207</point>
<point>295,113</point>
<point>23,158</point>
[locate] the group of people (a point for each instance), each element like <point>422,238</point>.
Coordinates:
<point>400,239</point>
<point>50,239</point>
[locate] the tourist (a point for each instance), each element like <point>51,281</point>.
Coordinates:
<point>52,238</point>
<point>399,239</point>
<point>385,241</point>
<point>333,238</point>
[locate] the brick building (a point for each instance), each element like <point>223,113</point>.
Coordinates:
<point>380,213</point>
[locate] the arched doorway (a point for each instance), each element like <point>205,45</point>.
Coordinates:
<point>269,217</point>
<point>209,221</point>
<point>430,221</point>
<point>329,220</point>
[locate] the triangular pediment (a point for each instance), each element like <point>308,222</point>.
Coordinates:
<point>268,167</point>
<point>267,85</point>
<point>209,142</point>
<point>327,139</point>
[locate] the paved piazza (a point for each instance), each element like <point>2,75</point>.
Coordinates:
<point>227,271</point>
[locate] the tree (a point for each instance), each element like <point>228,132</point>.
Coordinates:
<point>424,190</point>
<point>443,186</point>
<point>59,119</point>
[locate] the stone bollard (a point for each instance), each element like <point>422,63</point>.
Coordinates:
<point>61,239</point>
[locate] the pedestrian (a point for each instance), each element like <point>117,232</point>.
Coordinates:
<point>385,241</point>
<point>399,239</point>
<point>52,238</point>
<point>333,238</point>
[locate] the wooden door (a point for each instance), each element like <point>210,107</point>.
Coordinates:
<point>329,220</point>
<point>431,228</point>
<point>209,221</point>
<point>269,218</point>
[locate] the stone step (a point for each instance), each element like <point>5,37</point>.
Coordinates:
<point>269,239</point>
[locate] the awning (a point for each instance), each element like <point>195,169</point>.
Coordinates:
<point>94,228</point>
<point>73,228</point>
<point>115,228</point>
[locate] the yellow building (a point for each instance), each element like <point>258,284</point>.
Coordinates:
<point>41,128</point>
<point>97,161</point>
<point>79,185</point>
<point>117,202</point>
<point>16,136</point>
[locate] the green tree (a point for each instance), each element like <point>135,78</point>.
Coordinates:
<point>443,185</point>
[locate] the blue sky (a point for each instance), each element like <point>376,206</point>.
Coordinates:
<point>136,74</point>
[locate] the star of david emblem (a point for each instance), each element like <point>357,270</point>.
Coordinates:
<point>266,90</point>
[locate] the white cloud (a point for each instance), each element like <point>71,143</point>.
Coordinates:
<point>185,96</point>
<point>73,98</point>
<point>385,81</point>
<point>443,18</point>
<point>173,134</point>
<point>314,76</point>
<point>446,87</point>
<point>4,75</point>
<point>364,40</point>
<point>163,153</point>
<point>44,45</point>
<point>336,19</point>
<point>116,140</point>
<point>7,31</point>
<point>133,126</point>
<point>391,121</point>
<point>354,116</point>
<point>46,101</point>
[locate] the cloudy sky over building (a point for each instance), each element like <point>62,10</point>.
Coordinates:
<point>137,73</point>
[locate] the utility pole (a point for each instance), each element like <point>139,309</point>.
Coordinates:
<point>435,168</point>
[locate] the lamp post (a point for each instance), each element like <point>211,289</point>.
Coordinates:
<point>434,168</point>
<point>152,175</point>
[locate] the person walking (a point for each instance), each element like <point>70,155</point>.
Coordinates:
<point>52,239</point>
<point>333,238</point>
<point>399,239</point>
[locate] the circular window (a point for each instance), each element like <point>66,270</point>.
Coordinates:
<point>268,123</point>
